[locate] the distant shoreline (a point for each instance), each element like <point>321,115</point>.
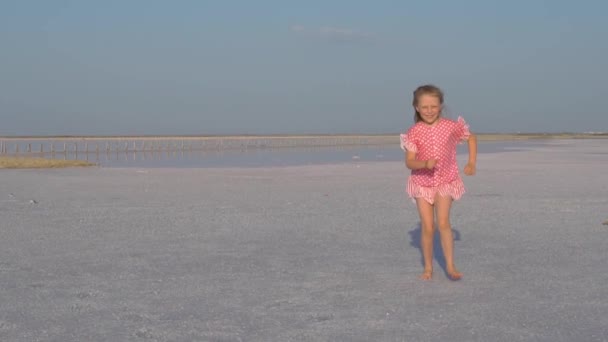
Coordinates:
<point>480,136</point>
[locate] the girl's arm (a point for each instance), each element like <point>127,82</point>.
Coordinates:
<point>470,168</point>
<point>413,164</point>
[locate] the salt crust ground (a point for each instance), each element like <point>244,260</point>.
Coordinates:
<point>310,253</point>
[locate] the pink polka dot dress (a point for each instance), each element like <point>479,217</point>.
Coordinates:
<point>437,141</point>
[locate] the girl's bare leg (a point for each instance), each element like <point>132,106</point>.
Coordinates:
<point>425,210</point>
<point>443,206</point>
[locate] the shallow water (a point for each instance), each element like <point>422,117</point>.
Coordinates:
<point>282,156</point>
<point>252,157</point>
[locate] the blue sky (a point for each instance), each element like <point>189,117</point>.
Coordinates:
<point>291,67</point>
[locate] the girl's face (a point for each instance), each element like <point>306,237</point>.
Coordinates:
<point>429,108</point>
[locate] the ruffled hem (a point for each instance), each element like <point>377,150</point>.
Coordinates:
<point>454,189</point>
<point>465,133</point>
<point>406,144</point>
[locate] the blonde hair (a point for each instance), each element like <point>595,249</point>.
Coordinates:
<point>427,89</point>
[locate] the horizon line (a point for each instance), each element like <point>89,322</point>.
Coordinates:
<point>96,136</point>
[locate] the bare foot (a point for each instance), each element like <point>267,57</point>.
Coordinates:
<point>454,274</point>
<point>426,275</point>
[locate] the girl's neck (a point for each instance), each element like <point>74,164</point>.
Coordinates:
<point>432,123</point>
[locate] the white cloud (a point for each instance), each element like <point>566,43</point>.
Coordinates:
<point>333,34</point>
<point>298,28</point>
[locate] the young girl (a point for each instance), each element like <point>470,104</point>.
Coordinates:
<point>430,146</point>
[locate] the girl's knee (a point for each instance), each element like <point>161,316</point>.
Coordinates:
<point>444,226</point>
<point>429,227</point>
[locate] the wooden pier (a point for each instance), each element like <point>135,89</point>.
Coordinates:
<point>44,146</point>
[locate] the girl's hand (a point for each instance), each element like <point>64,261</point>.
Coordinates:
<point>469,169</point>
<point>429,164</point>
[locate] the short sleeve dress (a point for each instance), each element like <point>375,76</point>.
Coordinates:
<point>438,141</point>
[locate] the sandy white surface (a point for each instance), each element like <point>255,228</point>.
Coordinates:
<point>307,253</point>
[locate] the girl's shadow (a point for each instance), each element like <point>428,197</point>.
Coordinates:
<point>437,250</point>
